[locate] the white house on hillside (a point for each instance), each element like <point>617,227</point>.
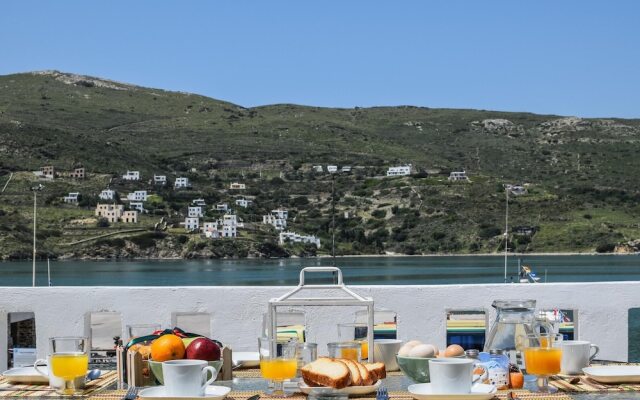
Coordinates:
<point>191,224</point>
<point>318,168</point>
<point>332,168</point>
<point>72,198</point>
<point>181,183</point>
<point>280,213</point>
<point>458,176</point>
<point>229,225</point>
<point>160,180</point>
<point>107,194</point>
<point>138,195</point>
<point>244,203</point>
<point>237,186</point>
<point>402,170</point>
<point>279,223</point>
<point>131,176</point>
<point>194,211</point>
<point>222,207</point>
<point>210,230</point>
<point>198,202</point>
<point>137,205</point>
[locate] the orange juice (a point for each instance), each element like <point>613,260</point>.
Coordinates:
<point>364,349</point>
<point>69,365</point>
<point>351,354</point>
<point>542,361</point>
<point>278,369</point>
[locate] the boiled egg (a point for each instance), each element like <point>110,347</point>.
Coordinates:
<point>423,351</point>
<point>454,350</point>
<point>406,348</point>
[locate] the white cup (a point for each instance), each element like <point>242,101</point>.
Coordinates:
<point>453,375</point>
<point>43,367</point>
<point>577,354</point>
<point>385,350</point>
<point>187,377</point>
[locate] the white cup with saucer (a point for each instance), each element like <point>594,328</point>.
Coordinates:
<point>185,378</point>
<point>454,375</point>
<point>43,368</point>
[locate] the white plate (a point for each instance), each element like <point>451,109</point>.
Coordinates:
<point>479,391</point>
<point>26,375</point>
<point>158,393</point>
<point>613,373</point>
<point>349,390</point>
<point>246,358</point>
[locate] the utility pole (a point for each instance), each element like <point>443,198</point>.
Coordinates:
<point>506,233</point>
<point>333,220</point>
<point>35,190</point>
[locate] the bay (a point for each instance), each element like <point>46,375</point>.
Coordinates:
<point>437,270</point>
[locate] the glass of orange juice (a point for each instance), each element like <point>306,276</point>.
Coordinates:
<point>69,360</point>
<point>355,332</point>
<point>542,357</point>
<point>278,362</point>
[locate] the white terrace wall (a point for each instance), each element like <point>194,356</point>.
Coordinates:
<point>236,312</point>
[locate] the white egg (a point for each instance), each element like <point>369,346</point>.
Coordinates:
<point>423,351</point>
<point>406,348</point>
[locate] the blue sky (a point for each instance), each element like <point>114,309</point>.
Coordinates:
<point>558,57</point>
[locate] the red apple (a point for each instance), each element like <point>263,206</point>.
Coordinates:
<point>203,349</point>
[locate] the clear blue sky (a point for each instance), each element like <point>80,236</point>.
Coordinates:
<point>562,57</point>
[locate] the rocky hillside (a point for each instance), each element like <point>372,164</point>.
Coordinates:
<point>581,173</point>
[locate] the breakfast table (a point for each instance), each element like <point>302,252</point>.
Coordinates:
<point>247,383</point>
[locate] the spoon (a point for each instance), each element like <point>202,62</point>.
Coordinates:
<point>93,374</point>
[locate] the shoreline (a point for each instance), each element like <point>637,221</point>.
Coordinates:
<point>325,257</point>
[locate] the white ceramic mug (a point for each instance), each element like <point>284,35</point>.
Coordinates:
<point>453,375</point>
<point>42,367</point>
<point>187,377</point>
<point>577,354</point>
<point>385,350</point>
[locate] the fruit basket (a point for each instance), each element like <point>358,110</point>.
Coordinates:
<point>135,363</point>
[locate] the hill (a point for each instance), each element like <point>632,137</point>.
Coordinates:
<point>582,173</point>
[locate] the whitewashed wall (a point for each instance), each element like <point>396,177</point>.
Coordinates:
<point>236,312</point>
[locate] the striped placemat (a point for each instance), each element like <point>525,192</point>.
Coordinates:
<point>107,379</point>
<point>244,395</point>
<point>584,384</point>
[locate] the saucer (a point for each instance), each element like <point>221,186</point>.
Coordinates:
<point>479,391</point>
<point>349,390</point>
<point>26,375</point>
<point>158,393</point>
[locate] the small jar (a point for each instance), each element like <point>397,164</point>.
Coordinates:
<point>498,368</point>
<point>306,353</point>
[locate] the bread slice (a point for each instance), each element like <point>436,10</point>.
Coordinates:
<point>368,378</point>
<point>326,372</point>
<point>378,369</point>
<point>356,376</point>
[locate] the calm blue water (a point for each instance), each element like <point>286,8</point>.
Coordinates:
<point>357,271</point>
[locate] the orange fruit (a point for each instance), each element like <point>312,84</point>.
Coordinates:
<point>167,347</point>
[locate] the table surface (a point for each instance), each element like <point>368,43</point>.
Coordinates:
<point>393,383</point>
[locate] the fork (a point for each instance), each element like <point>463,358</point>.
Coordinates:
<point>131,394</point>
<point>382,393</point>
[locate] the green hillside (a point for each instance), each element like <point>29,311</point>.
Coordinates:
<point>582,174</point>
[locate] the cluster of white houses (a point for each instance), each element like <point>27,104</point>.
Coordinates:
<point>292,237</point>
<point>224,227</point>
<point>160,180</point>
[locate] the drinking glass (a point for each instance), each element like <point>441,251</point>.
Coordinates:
<point>305,353</point>
<point>348,350</point>
<point>355,332</point>
<point>137,330</point>
<point>278,362</point>
<point>69,360</point>
<point>543,357</point>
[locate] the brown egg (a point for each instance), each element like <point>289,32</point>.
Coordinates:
<point>454,351</point>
